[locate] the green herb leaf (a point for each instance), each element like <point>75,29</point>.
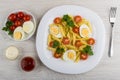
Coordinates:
<point>9,23</point>
<point>68,20</point>
<point>70,23</point>
<point>10,33</point>
<point>88,50</point>
<point>55,44</point>
<point>60,50</point>
<point>4,28</point>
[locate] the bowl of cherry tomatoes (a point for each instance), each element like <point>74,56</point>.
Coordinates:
<point>20,25</point>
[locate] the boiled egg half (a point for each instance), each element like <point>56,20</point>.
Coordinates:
<point>18,33</point>
<point>55,31</point>
<point>69,56</point>
<point>84,31</point>
<point>28,26</point>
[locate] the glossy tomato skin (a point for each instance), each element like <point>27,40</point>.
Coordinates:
<point>20,14</point>
<point>57,55</point>
<point>75,29</point>
<point>65,41</point>
<point>77,18</point>
<point>12,28</point>
<point>91,41</point>
<point>26,17</point>
<point>12,17</point>
<point>57,20</point>
<point>78,43</point>
<point>51,44</point>
<point>83,56</point>
<point>17,23</point>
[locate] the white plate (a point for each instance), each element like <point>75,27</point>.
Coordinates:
<point>58,64</point>
<point>33,20</point>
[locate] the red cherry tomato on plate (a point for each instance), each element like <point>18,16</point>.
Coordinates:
<point>20,14</point>
<point>57,20</point>
<point>18,23</point>
<point>78,43</point>
<point>26,17</point>
<point>51,44</point>
<point>75,30</point>
<point>65,40</point>
<point>12,28</point>
<point>57,55</point>
<point>12,17</point>
<point>83,56</point>
<point>77,18</point>
<point>91,41</point>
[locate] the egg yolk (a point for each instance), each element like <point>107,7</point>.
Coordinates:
<point>17,35</point>
<point>70,55</point>
<point>85,32</point>
<point>54,30</point>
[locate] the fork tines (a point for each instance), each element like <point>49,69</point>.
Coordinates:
<point>113,11</point>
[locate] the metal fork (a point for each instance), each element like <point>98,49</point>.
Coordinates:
<point>112,21</point>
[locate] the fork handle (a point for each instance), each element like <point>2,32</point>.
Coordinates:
<point>111,43</point>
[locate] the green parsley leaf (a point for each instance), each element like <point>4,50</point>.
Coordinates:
<point>60,50</point>
<point>68,20</point>
<point>88,50</point>
<point>9,23</point>
<point>10,33</point>
<point>55,44</point>
<point>4,28</point>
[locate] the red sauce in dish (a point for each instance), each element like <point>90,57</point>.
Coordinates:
<point>27,63</point>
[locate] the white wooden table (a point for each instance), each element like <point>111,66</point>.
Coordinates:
<point>107,69</point>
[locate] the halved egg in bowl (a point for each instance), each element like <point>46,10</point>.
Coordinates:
<point>20,25</point>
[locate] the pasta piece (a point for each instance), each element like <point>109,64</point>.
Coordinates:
<point>62,30</point>
<point>49,39</point>
<point>77,57</point>
<point>71,47</point>
<point>52,49</point>
<point>54,38</point>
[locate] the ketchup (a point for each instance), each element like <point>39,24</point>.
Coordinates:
<point>27,63</point>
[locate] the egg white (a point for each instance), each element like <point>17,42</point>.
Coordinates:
<point>28,27</point>
<point>59,35</point>
<point>20,29</point>
<point>66,58</point>
<point>86,27</point>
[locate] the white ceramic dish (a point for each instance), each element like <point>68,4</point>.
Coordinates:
<point>58,64</point>
<point>33,20</point>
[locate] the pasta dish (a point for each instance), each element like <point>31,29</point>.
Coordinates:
<point>70,38</point>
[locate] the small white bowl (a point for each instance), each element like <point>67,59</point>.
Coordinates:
<point>33,20</point>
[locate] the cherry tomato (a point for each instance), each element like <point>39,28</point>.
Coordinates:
<point>77,18</point>
<point>57,20</point>
<point>91,41</point>
<point>65,40</point>
<point>78,43</point>
<point>12,17</point>
<point>83,56</point>
<point>51,44</point>
<point>20,14</point>
<point>57,55</point>
<point>26,17</point>
<point>75,30</point>
<point>12,28</point>
<point>18,23</point>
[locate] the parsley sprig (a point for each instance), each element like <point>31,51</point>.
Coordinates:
<point>7,27</point>
<point>87,50</point>
<point>68,20</point>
